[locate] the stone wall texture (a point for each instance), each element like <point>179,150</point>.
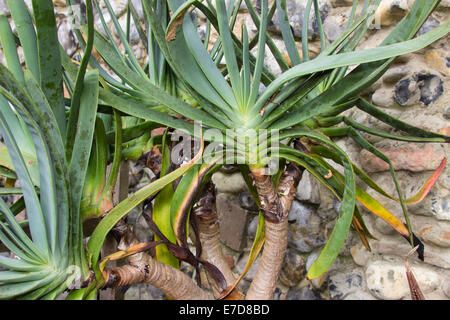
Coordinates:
<point>416,89</point>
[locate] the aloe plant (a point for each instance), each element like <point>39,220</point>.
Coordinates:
<point>185,82</point>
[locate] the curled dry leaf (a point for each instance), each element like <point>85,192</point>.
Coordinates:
<point>416,293</point>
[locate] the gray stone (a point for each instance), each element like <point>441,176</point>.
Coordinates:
<point>429,25</point>
<point>269,59</point>
<point>141,230</point>
<point>390,11</point>
<point>139,51</point>
<point>312,257</point>
<point>434,205</point>
<point>327,208</point>
<point>384,97</point>
<point>247,202</point>
<point>305,293</point>
<point>308,189</point>
<point>333,27</point>
<point>252,227</point>
<point>361,256</point>
<point>406,92</point>
<point>337,205</point>
<point>277,294</point>
<point>149,292</point>
<point>146,178</point>
<point>99,25</point>
<point>395,74</point>
<point>293,269</point>
<point>341,284</point>
<point>384,227</point>
<point>398,246</point>
<point>230,183</point>
<point>137,4</point>
<point>232,220</point>
<point>305,229</point>
<point>144,291</point>
<point>432,232</point>
<point>423,87</point>
<point>66,36</point>
<point>243,285</point>
<point>296,12</point>
<point>341,3</point>
<point>242,262</point>
<point>119,7</point>
<point>135,172</point>
<point>228,169</point>
<point>133,293</point>
<point>134,35</point>
<point>387,280</point>
<point>431,87</point>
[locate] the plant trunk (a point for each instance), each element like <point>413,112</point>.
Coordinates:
<point>142,268</point>
<point>276,207</point>
<point>208,232</point>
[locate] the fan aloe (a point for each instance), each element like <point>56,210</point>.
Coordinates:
<point>49,242</point>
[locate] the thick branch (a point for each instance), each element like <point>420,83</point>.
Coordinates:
<point>208,232</point>
<point>270,201</point>
<point>266,277</point>
<point>143,268</point>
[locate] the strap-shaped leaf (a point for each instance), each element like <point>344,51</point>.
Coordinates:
<point>18,242</point>
<point>257,73</point>
<point>305,27</point>
<point>147,89</point>
<point>34,213</point>
<point>282,63</point>
<point>286,32</point>
<point>40,110</point>
<point>27,35</point>
<point>132,107</point>
<point>209,68</point>
<point>17,265</point>
<point>398,124</point>
<point>17,277</point>
<point>376,208</point>
<point>9,48</point>
<point>418,197</point>
<point>12,290</point>
<point>79,83</point>
<point>184,197</point>
<point>342,225</point>
<point>228,49</point>
<point>51,78</point>
<point>123,208</point>
<point>161,211</point>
